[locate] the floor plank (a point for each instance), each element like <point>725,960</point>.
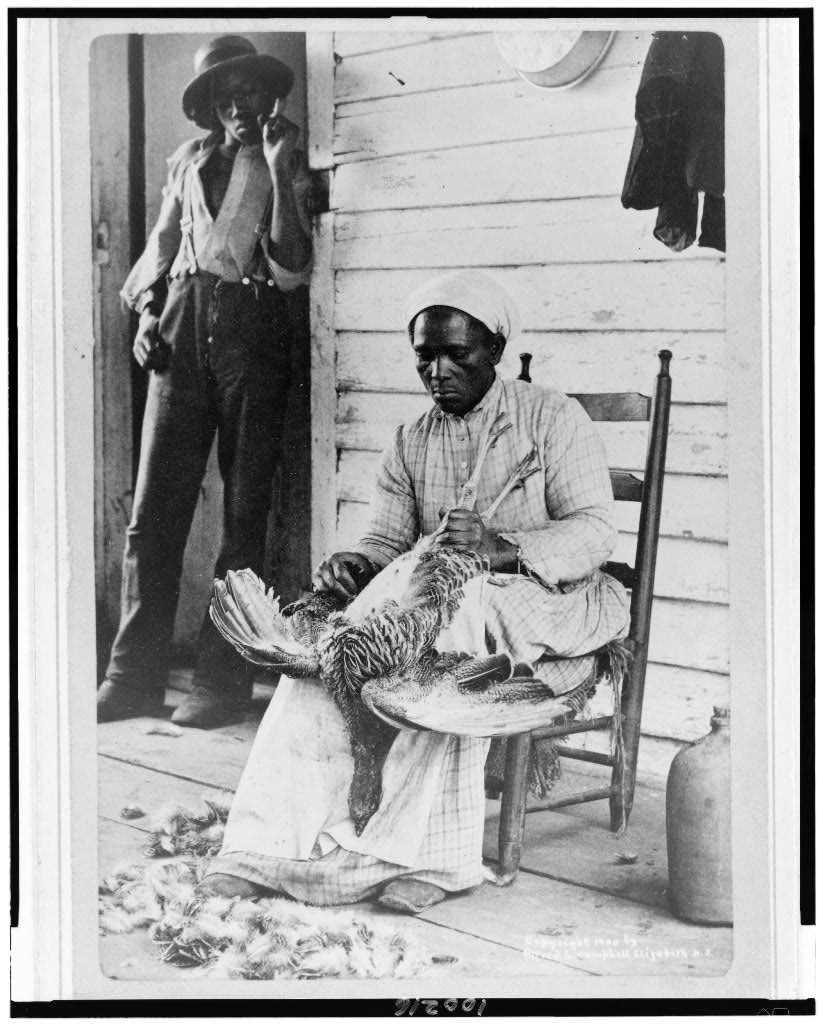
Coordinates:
<point>572,845</point>
<point>134,955</point>
<point>121,784</point>
<point>574,909</point>
<point>118,842</point>
<point>576,845</point>
<point>604,934</point>
<point>216,758</point>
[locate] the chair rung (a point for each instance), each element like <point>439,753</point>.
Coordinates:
<point>593,756</point>
<point>584,797</point>
<point>561,730</point>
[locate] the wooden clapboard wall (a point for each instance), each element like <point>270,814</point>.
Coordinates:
<point>444,158</point>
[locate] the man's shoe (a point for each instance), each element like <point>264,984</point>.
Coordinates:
<point>116,701</point>
<point>205,708</point>
<point>409,896</point>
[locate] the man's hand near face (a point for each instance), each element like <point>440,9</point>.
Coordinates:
<point>279,138</point>
<point>465,530</point>
<point>290,245</point>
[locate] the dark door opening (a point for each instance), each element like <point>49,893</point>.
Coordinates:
<point>136,124</point>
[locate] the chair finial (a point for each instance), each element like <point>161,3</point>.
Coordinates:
<point>664,355</point>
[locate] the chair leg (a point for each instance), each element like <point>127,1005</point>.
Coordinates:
<point>620,802</point>
<point>513,806</point>
<point>625,771</point>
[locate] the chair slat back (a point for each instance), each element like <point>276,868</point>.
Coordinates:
<point>616,407</point>
<point>626,486</point>
<point>639,580</point>
<point>629,406</point>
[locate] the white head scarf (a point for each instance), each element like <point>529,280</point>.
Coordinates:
<point>472,291</point>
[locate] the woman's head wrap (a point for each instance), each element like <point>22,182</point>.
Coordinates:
<point>473,292</point>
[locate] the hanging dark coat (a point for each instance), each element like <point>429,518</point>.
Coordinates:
<point>678,147</point>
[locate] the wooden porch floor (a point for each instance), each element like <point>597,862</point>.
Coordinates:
<point>575,908</point>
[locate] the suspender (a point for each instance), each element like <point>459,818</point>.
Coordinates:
<point>187,221</point>
<point>257,264</point>
<point>262,229</point>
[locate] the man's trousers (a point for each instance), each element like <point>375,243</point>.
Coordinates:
<point>228,374</point>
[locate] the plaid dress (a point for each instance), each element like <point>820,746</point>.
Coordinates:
<point>289,827</point>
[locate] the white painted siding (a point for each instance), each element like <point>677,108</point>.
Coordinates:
<point>444,158</point>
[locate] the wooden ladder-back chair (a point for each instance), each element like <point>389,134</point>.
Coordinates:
<point>626,406</point>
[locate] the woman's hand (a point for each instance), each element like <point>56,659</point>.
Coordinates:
<point>279,138</point>
<point>149,349</point>
<point>465,530</point>
<point>344,574</point>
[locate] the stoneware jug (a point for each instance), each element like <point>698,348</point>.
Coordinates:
<point>699,827</point>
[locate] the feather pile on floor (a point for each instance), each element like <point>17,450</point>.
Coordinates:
<point>241,938</point>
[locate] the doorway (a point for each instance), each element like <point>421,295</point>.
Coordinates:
<point>136,123</point>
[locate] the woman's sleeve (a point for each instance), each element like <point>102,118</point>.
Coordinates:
<point>393,526</point>
<point>579,501</point>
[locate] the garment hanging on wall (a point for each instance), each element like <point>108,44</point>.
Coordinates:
<point>678,147</point>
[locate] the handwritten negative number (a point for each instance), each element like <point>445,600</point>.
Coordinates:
<point>411,1006</point>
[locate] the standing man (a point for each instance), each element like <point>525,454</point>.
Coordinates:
<point>215,336</point>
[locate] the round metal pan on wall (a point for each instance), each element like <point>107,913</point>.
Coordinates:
<point>553,60</point>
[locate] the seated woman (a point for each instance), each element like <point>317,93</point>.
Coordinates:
<point>290,829</point>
